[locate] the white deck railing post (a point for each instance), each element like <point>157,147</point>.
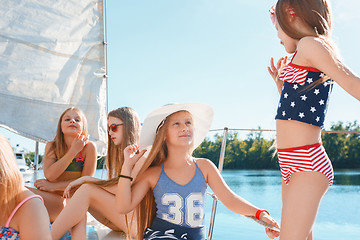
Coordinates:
<point>36,156</point>
<point>220,167</point>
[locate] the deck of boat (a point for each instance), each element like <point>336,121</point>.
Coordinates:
<point>97,231</point>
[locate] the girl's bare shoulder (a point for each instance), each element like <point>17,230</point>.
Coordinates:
<point>90,146</point>
<point>31,207</point>
<point>204,162</point>
<point>310,44</point>
<point>32,215</point>
<point>152,175</point>
<point>49,146</point>
<point>89,150</point>
<point>206,166</point>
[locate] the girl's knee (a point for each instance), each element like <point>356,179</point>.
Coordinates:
<point>86,190</point>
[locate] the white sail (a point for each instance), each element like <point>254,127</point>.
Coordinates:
<point>52,58</point>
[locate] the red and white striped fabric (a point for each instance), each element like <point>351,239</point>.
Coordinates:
<point>307,158</point>
<point>294,74</point>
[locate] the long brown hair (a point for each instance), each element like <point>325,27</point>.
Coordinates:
<point>131,134</point>
<point>58,144</point>
<point>316,15</point>
<point>11,181</point>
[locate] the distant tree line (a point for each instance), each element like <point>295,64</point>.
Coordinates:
<point>256,152</point>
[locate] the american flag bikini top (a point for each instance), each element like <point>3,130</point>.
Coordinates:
<point>299,101</point>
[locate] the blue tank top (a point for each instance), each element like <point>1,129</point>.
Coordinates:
<point>299,101</point>
<point>181,204</point>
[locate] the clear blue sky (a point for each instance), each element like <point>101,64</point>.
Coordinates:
<point>210,51</point>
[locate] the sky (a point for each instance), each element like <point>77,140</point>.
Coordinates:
<point>209,51</point>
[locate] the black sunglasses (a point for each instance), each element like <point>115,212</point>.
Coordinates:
<point>114,127</point>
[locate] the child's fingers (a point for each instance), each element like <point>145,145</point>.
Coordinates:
<point>279,63</point>
<point>271,72</point>
<point>141,153</point>
<point>272,65</point>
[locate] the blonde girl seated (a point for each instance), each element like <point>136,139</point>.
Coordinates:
<point>98,196</point>
<point>171,190</point>
<point>69,156</point>
<point>23,214</point>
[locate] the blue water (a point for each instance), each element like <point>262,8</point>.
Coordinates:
<point>338,217</point>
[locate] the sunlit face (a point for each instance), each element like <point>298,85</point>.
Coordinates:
<point>289,43</point>
<point>116,129</point>
<point>180,129</point>
<point>71,123</point>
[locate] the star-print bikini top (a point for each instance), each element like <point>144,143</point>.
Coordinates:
<point>301,99</point>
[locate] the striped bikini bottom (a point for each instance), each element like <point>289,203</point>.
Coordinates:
<point>311,158</point>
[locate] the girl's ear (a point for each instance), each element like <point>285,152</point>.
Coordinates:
<point>291,13</point>
<point>292,18</point>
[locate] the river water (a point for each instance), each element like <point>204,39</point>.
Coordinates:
<point>338,217</point>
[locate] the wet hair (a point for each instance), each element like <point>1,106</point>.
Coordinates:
<point>11,181</point>
<point>315,14</point>
<point>58,144</point>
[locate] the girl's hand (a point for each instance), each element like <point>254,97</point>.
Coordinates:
<point>69,188</point>
<point>266,218</point>
<point>79,143</point>
<point>44,185</point>
<point>132,155</point>
<point>276,70</point>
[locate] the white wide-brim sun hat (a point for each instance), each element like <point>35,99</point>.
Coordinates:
<point>202,116</point>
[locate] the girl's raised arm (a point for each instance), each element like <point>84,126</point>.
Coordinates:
<point>54,167</point>
<point>274,71</point>
<point>129,195</point>
<point>319,56</point>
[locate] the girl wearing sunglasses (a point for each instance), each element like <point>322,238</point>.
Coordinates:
<point>98,196</point>
<point>69,156</point>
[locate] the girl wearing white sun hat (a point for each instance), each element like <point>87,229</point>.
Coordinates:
<point>169,192</point>
<point>202,115</point>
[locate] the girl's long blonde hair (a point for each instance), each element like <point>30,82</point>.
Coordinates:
<point>11,181</point>
<point>58,144</point>
<point>146,210</point>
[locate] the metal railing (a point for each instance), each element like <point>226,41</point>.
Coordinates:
<point>221,164</point>
<point>215,199</point>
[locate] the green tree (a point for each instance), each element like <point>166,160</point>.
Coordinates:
<point>29,159</point>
